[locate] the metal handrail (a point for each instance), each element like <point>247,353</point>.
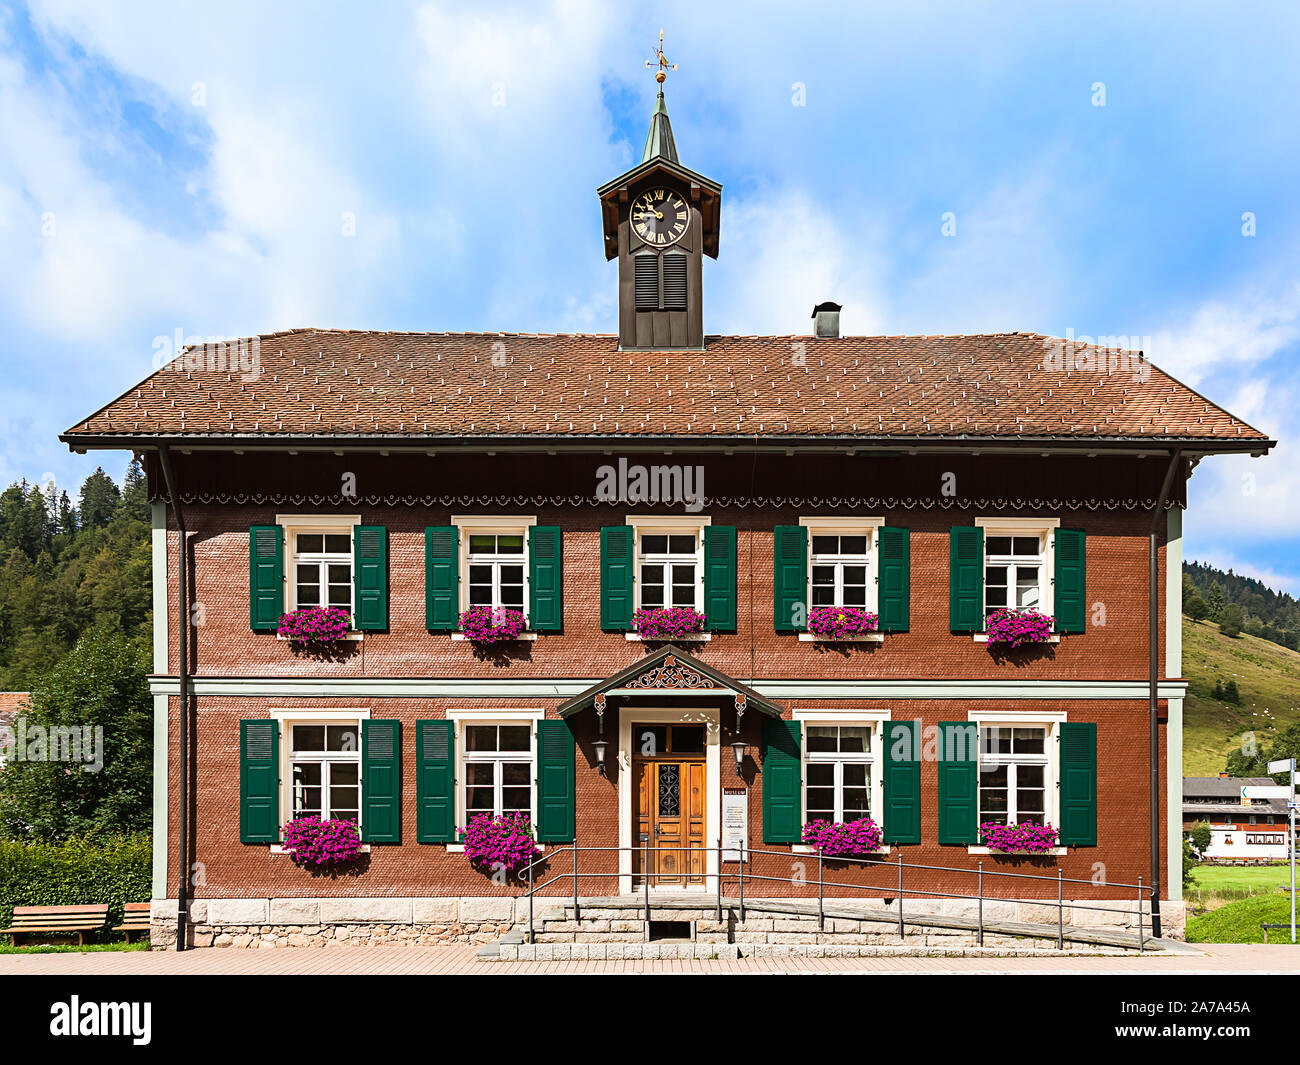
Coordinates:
<point>742,852</point>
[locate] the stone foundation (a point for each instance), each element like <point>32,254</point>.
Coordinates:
<point>336,922</point>
<point>268,923</point>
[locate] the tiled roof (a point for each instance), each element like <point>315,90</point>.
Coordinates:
<point>1221,787</point>
<point>10,704</point>
<point>318,382</point>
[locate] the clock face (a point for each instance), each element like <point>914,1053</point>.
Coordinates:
<point>659,217</point>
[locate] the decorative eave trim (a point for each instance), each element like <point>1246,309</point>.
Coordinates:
<point>569,687</point>
<point>871,503</point>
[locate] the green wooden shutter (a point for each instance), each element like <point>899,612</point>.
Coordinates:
<point>545,578</point>
<point>720,577</point>
<point>966,579</point>
<point>790,578</point>
<point>555,782</point>
<point>1070,600</point>
<point>381,781</point>
<point>259,781</point>
<point>370,577</point>
<point>782,781</point>
<point>616,578</point>
<point>902,782</point>
<point>894,587</point>
<point>441,578</point>
<point>1079,784</point>
<point>435,781</point>
<point>265,576</point>
<point>958,782</point>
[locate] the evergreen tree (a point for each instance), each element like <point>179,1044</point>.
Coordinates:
<point>1230,693</point>
<point>67,515</point>
<point>1214,600</point>
<point>1195,608</point>
<point>135,492</point>
<point>99,498</point>
<point>1230,620</point>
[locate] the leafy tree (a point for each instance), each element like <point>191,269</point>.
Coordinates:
<point>1195,608</point>
<point>1218,689</point>
<point>1230,693</point>
<point>1189,864</point>
<point>98,693</point>
<point>1200,836</point>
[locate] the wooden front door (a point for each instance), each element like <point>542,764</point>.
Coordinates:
<point>669,794</point>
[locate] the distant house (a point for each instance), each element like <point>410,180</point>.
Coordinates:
<point>10,705</point>
<point>1251,831</point>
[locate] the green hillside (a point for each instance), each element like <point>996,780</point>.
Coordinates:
<point>1268,678</point>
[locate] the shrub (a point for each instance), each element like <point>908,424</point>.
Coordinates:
<point>504,842</point>
<point>841,622</point>
<point>665,622</point>
<point>1018,839</point>
<point>1017,627</point>
<point>315,625</point>
<point>843,838</point>
<point>311,841</point>
<point>483,624</point>
<point>82,871</point>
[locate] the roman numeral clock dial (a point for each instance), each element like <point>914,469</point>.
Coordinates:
<point>660,217</point>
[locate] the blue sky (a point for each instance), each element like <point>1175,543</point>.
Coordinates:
<point>171,167</point>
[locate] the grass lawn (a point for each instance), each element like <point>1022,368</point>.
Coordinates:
<point>1263,878</point>
<point>1268,677</point>
<point>1238,922</point>
<point>71,948</point>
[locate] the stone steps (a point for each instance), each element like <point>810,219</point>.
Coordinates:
<point>790,926</point>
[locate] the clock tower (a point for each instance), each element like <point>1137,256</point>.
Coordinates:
<point>660,219</point>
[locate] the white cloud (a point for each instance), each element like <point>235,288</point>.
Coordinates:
<point>1229,335</point>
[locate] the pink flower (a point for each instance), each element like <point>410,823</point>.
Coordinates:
<point>841,622</point>
<point>312,841</point>
<point>841,839</point>
<point>483,624</point>
<point>1026,838</point>
<point>318,626</point>
<point>504,842</point>
<point>666,622</point>
<point>1016,627</point>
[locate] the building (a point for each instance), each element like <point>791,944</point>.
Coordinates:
<point>11,705</point>
<point>406,477</point>
<point>1241,830</point>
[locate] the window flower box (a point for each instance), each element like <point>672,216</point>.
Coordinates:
<point>315,626</point>
<point>843,839</point>
<point>666,623</point>
<point>322,844</point>
<point>484,624</point>
<point>504,842</point>
<point>1015,628</point>
<point>1019,839</point>
<point>841,622</point>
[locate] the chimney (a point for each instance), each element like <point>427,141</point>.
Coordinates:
<point>826,320</point>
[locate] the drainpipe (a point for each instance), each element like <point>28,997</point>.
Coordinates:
<point>1153,679</point>
<point>183,609</point>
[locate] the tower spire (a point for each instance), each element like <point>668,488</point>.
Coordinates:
<point>659,141</point>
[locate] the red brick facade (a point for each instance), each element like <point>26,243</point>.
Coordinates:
<point>1105,497</point>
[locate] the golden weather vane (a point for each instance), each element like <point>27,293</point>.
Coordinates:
<point>660,61</point>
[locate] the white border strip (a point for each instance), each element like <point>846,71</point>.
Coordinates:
<point>563,688</point>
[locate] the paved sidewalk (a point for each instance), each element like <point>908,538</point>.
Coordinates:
<point>461,961</point>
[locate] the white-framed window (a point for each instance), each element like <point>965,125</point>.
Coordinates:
<point>496,570</point>
<point>838,767</point>
<point>325,770</point>
<point>318,560</point>
<point>494,561</point>
<point>669,562</point>
<point>1014,774</point>
<point>496,756</point>
<point>842,563</point>
<point>497,768</point>
<point>1018,563</point>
